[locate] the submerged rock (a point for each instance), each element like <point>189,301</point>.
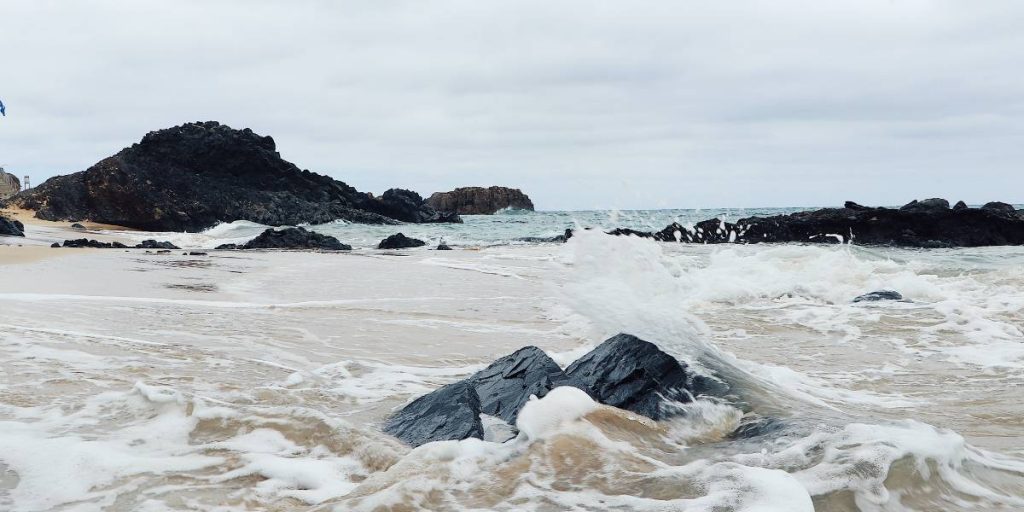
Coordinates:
<point>506,385</point>
<point>446,414</point>
<point>879,295</point>
<point>632,374</point>
<point>291,238</point>
<point>400,241</point>
<point>443,247</point>
<point>153,244</point>
<point>193,176</point>
<point>480,200</point>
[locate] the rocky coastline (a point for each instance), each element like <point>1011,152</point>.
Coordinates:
<point>480,200</point>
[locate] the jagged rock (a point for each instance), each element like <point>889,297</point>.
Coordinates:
<point>153,244</point>
<point>506,385</point>
<point>10,227</point>
<point>193,176</point>
<point>291,238</point>
<point>633,374</point>
<point>756,426</point>
<point>408,206</point>
<point>960,205</point>
<point>879,295</point>
<point>400,241</point>
<point>94,244</point>
<point>850,205</point>
<point>928,223</point>
<point>480,200</point>
<point>449,413</point>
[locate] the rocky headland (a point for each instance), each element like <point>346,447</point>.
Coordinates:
<point>480,200</point>
<point>930,223</point>
<point>194,176</point>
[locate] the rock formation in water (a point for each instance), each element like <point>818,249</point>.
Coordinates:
<point>927,223</point>
<point>400,241</point>
<point>11,227</point>
<point>291,238</point>
<point>9,184</point>
<point>153,244</point>
<point>480,200</point>
<point>879,296</point>
<point>193,176</point>
<point>624,372</point>
<point>93,244</point>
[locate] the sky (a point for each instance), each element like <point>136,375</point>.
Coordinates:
<point>581,104</point>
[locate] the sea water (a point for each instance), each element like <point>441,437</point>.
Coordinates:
<point>258,381</point>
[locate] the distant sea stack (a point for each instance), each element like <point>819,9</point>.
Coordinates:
<point>194,176</point>
<point>480,200</point>
<point>9,184</point>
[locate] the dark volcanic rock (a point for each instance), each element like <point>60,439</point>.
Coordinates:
<point>408,206</point>
<point>480,200</point>
<point>400,241</point>
<point>633,374</point>
<point>153,244</point>
<point>55,244</point>
<point>506,385</point>
<point>879,295</point>
<point>11,227</point>
<point>193,176</point>
<point>928,223</point>
<point>77,226</point>
<point>998,206</point>
<point>449,413</point>
<point>960,205</point>
<point>94,244</point>
<point>443,247</point>
<point>291,238</point>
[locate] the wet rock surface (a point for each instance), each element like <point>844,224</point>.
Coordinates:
<point>624,372</point>
<point>291,238</point>
<point>400,241</point>
<point>929,223</point>
<point>153,244</point>
<point>506,385</point>
<point>93,244</point>
<point>194,176</point>
<point>408,206</point>
<point>449,413</point>
<point>480,200</point>
<point>879,296</point>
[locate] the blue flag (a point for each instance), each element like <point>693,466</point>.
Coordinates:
<point>3,111</point>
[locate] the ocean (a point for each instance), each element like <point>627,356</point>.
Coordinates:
<point>238,381</point>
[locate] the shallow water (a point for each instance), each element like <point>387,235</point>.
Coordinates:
<point>256,381</point>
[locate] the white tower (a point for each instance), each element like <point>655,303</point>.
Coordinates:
<point>25,185</point>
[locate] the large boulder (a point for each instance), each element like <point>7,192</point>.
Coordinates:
<point>291,238</point>
<point>927,223</point>
<point>480,200</point>
<point>153,244</point>
<point>506,385</point>
<point>9,184</point>
<point>196,175</point>
<point>633,374</point>
<point>400,241</point>
<point>449,413</point>
<point>11,227</point>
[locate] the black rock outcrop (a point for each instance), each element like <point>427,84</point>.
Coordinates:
<point>193,176</point>
<point>400,241</point>
<point>879,295</point>
<point>408,206</point>
<point>506,385</point>
<point>153,244</point>
<point>10,227</point>
<point>927,223</point>
<point>93,244</point>
<point>449,413</point>
<point>480,200</point>
<point>291,238</point>
<point>632,374</point>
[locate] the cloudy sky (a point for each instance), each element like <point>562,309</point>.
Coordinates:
<point>583,104</point>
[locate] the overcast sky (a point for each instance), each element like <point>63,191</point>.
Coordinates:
<point>588,104</point>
